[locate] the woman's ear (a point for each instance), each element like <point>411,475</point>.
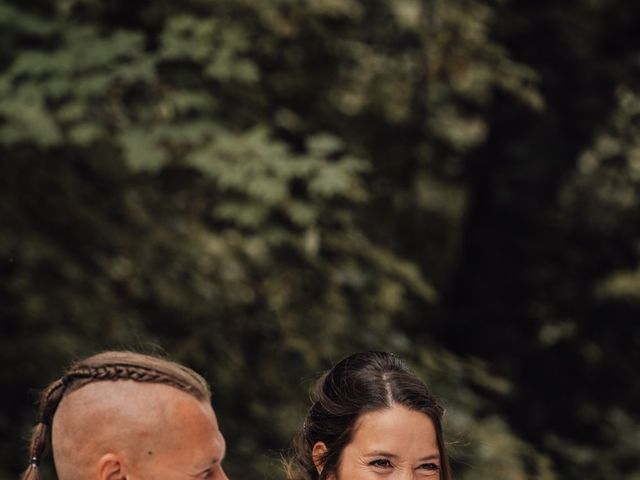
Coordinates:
<point>110,467</point>
<point>318,454</point>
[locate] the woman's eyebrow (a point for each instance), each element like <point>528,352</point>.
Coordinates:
<point>433,456</point>
<point>381,453</point>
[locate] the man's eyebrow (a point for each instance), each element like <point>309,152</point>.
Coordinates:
<point>217,459</point>
<point>214,461</point>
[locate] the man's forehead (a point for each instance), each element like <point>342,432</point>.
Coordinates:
<point>144,405</point>
<point>192,436</point>
<point>190,412</point>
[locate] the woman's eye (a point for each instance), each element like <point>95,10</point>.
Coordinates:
<point>430,468</point>
<point>381,463</point>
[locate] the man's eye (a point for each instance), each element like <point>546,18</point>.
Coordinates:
<point>381,463</point>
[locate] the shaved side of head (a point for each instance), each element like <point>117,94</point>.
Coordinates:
<point>125,418</point>
<point>121,410</point>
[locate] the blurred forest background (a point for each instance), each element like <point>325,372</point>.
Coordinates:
<point>258,188</point>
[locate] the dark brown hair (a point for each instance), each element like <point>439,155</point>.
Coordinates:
<point>361,383</point>
<point>103,367</point>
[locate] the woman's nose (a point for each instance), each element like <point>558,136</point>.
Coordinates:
<point>406,474</point>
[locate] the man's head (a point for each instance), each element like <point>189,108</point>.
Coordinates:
<point>120,415</point>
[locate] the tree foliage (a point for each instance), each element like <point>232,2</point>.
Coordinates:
<point>259,188</point>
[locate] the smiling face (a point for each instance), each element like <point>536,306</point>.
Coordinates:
<point>393,443</point>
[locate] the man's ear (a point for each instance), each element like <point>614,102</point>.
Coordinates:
<point>318,454</point>
<point>110,467</point>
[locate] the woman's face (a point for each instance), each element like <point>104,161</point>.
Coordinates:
<point>392,444</point>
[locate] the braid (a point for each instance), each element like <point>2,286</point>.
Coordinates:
<point>37,449</point>
<point>40,436</point>
<point>50,400</point>
<point>82,375</point>
<point>107,366</point>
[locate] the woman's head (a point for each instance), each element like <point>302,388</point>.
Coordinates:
<point>370,415</point>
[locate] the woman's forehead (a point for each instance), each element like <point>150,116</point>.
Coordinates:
<point>395,430</point>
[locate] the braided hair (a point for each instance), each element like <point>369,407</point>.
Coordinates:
<point>107,366</point>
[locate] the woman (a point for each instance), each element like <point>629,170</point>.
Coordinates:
<point>372,418</point>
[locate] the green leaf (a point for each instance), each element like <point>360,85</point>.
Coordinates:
<point>141,152</point>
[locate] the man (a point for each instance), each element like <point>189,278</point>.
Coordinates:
<point>123,415</point>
